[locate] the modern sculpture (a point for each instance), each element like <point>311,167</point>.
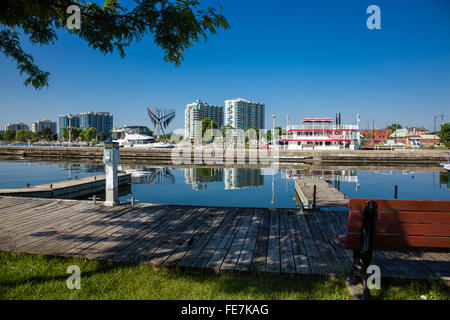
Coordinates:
<point>161,118</point>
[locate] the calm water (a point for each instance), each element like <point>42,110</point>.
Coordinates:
<point>234,187</point>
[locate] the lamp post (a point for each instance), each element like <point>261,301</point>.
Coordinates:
<point>434,131</point>
<point>273,126</point>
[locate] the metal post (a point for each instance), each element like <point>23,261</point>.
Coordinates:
<point>396,192</point>
<point>111,158</point>
<point>314,198</point>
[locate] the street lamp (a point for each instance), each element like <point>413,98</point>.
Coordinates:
<point>434,132</point>
<point>273,126</point>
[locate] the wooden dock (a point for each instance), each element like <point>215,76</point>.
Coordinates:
<point>67,189</point>
<point>223,239</point>
<point>326,195</point>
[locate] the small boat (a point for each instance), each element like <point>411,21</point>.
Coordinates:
<point>446,166</point>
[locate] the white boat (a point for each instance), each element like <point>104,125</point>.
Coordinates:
<point>446,166</point>
<point>137,140</point>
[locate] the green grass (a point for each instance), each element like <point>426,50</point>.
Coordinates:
<point>25,276</point>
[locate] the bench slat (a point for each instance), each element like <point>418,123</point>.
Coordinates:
<point>422,229</point>
<point>404,216</point>
<point>402,205</point>
<point>393,242</point>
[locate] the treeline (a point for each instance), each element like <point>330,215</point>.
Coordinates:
<point>76,134</point>
<point>27,135</point>
<point>86,135</point>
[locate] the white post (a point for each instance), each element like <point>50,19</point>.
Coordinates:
<point>111,157</point>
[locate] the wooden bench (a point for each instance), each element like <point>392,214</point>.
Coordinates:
<point>393,225</point>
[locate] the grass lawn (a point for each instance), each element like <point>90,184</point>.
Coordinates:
<point>25,276</point>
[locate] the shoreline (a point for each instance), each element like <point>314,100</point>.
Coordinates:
<point>164,156</point>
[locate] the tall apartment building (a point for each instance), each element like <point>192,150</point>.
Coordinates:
<point>40,125</point>
<point>68,120</point>
<point>197,111</point>
<point>16,126</point>
<point>102,121</point>
<point>241,114</point>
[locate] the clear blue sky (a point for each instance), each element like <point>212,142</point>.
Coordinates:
<point>301,58</point>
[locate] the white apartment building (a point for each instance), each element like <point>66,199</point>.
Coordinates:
<point>16,126</point>
<point>197,111</point>
<point>241,113</point>
<point>38,126</point>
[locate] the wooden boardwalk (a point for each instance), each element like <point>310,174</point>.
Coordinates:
<point>326,195</point>
<point>223,239</point>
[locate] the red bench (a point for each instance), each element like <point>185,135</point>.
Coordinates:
<point>393,225</point>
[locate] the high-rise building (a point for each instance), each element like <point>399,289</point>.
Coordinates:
<point>197,111</point>
<point>38,126</point>
<point>68,120</point>
<point>241,114</point>
<point>16,126</point>
<point>102,121</point>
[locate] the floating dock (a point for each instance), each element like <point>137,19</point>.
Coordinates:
<point>223,239</point>
<point>67,189</point>
<point>326,195</point>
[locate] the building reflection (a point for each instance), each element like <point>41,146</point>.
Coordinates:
<point>199,177</point>
<point>239,178</point>
<point>82,167</point>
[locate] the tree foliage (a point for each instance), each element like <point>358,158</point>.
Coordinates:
<point>9,135</point>
<point>88,134</point>
<point>394,126</point>
<point>174,25</point>
<point>207,123</point>
<point>445,133</point>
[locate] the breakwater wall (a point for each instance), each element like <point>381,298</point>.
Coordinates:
<point>191,156</point>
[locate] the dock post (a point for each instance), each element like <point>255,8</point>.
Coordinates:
<point>314,198</point>
<point>111,157</point>
<point>395,192</point>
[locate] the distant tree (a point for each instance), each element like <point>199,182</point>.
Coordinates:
<point>74,135</point>
<point>174,26</point>
<point>102,136</point>
<point>46,134</point>
<point>88,134</point>
<point>445,133</point>
<point>394,126</point>
<point>9,135</point>
<point>206,124</point>
<point>26,135</point>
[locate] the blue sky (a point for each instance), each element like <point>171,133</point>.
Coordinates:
<point>300,58</point>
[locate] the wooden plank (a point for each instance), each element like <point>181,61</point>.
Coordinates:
<point>286,251</point>
<point>298,249</point>
<point>90,238</point>
<point>176,239</point>
<point>201,242</point>
<point>273,263</point>
<point>325,250</point>
<point>144,248</point>
<point>127,239</point>
<point>405,216</point>
<point>230,260</point>
<point>316,263</point>
<point>403,205</point>
<point>219,254</point>
<point>245,258</point>
<point>68,237</point>
<point>398,242</point>
<point>422,229</point>
<point>208,251</point>
<point>262,242</point>
<point>324,224</point>
<point>157,247</point>
<point>185,241</point>
<point>130,250</point>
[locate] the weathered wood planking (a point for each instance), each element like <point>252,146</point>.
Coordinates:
<point>224,239</point>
